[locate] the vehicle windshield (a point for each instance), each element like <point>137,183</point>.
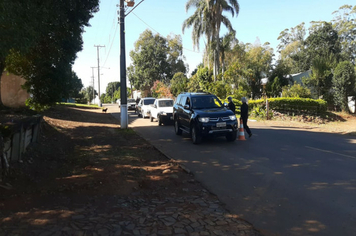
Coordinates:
<point>131,100</point>
<point>148,101</point>
<point>204,102</point>
<point>165,103</point>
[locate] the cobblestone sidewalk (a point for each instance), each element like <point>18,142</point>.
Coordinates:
<point>190,215</point>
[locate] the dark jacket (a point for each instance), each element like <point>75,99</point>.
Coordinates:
<point>232,107</point>
<point>244,111</point>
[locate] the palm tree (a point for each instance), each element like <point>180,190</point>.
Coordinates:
<point>200,21</point>
<point>225,47</point>
<point>217,7</point>
<point>207,20</point>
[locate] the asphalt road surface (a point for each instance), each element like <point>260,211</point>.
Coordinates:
<point>284,181</point>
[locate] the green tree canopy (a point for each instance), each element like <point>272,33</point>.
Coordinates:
<point>179,83</point>
<point>155,58</point>
<point>344,23</point>
<point>258,63</point>
<point>207,19</point>
<point>89,94</point>
<point>47,57</point>
<point>343,84</point>
<point>112,88</point>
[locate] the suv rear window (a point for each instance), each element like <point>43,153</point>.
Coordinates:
<point>131,100</point>
<point>148,101</point>
<point>204,102</point>
<point>165,103</point>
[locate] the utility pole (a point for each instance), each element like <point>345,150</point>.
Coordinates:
<point>123,89</point>
<point>92,72</point>
<point>97,48</point>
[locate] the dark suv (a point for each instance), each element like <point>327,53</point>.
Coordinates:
<point>201,115</point>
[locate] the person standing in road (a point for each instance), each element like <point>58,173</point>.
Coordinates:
<point>231,105</point>
<point>244,116</point>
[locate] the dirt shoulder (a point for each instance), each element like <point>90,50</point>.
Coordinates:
<point>86,176</point>
<point>344,124</point>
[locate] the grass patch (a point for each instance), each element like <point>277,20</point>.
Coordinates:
<point>126,131</point>
<point>94,106</point>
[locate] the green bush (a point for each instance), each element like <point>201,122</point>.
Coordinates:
<point>307,105</point>
<point>258,111</point>
<point>302,105</point>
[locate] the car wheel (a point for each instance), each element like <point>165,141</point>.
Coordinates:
<point>138,114</point>
<point>160,121</point>
<point>177,130</point>
<point>231,136</point>
<point>196,138</point>
<point>151,118</point>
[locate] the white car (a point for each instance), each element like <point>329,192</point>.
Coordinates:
<point>131,103</point>
<point>144,106</point>
<point>162,110</point>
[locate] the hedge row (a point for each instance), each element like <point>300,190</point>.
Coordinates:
<point>306,105</point>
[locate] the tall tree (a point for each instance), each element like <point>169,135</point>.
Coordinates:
<point>288,36</point>
<point>225,47</point>
<point>111,88</point>
<point>207,19</point>
<point>278,78</point>
<point>291,48</point>
<point>344,82</point>
<point>46,63</point>
<point>216,9</point>
<point>89,93</point>
<point>155,58</point>
<point>201,23</point>
<point>178,83</point>
<point>321,77</point>
<point>323,40</point>
<point>344,23</point>
<point>258,63</point>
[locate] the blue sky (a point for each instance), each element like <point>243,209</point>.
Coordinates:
<point>257,19</point>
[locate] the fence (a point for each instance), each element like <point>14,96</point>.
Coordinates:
<point>16,139</point>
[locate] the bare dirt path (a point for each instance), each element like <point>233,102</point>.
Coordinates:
<point>88,177</point>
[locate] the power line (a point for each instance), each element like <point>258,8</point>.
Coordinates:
<point>107,20</point>
<point>161,34</point>
<point>112,42</point>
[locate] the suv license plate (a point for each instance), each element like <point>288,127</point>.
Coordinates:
<point>221,124</point>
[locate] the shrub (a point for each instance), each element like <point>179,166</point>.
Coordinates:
<point>297,105</point>
<point>307,105</point>
<point>296,90</point>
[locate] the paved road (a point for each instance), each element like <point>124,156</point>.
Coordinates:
<point>284,181</point>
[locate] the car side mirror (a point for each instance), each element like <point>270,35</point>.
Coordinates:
<point>186,107</point>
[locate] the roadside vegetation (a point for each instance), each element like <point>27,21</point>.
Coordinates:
<point>325,53</point>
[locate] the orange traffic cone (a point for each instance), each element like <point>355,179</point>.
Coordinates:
<point>241,131</point>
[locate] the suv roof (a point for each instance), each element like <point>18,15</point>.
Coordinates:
<point>164,99</point>
<point>196,93</point>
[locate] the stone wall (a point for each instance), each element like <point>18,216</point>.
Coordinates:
<point>12,94</point>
